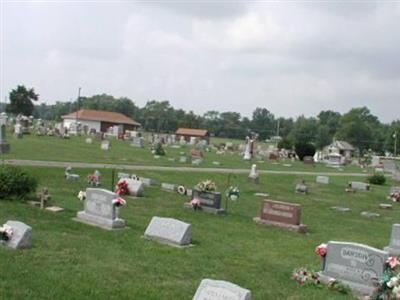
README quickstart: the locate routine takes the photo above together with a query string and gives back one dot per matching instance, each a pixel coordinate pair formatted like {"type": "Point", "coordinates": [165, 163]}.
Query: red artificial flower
{"type": "Point", "coordinates": [321, 250]}
{"type": "Point", "coordinates": [393, 262]}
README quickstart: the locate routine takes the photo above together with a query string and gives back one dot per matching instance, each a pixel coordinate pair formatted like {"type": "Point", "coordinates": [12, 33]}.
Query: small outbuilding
{"type": "Point", "coordinates": [187, 133]}
{"type": "Point", "coordinates": [99, 120]}
{"type": "Point", "coordinates": [341, 147]}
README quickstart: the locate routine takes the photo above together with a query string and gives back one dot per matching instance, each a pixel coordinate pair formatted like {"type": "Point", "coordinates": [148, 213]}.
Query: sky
{"type": "Point", "coordinates": [291, 57]}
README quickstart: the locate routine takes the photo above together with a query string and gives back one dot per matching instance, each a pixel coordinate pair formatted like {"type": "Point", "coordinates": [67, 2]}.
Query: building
{"type": "Point", "coordinates": [341, 147]}
{"type": "Point", "coordinates": [187, 133]}
{"type": "Point", "coordinates": [99, 120]}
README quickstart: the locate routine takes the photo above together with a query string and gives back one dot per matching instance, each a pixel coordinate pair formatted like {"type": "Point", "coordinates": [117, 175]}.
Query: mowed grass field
{"type": "Point", "coordinates": [76, 149]}
{"type": "Point", "coordinates": [70, 260]}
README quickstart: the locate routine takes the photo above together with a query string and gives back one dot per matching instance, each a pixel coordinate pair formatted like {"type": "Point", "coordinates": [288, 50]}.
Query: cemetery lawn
{"type": "Point", "coordinates": [71, 260]}
{"type": "Point", "coordinates": [75, 149]}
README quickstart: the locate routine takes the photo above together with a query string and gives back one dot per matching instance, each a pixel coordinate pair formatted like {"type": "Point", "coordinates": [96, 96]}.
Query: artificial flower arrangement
{"type": "Point", "coordinates": [196, 203]}
{"type": "Point", "coordinates": [305, 277]}
{"type": "Point", "coordinates": [6, 233]}
{"type": "Point", "coordinates": [206, 186]}
{"type": "Point", "coordinates": [233, 193]}
{"type": "Point", "coordinates": [94, 179]}
{"type": "Point", "coordinates": [122, 188]}
{"type": "Point", "coordinates": [395, 197]}
{"type": "Point", "coordinates": [82, 195]}
{"type": "Point", "coordinates": [389, 284]}
{"type": "Point", "coordinates": [118, 202]}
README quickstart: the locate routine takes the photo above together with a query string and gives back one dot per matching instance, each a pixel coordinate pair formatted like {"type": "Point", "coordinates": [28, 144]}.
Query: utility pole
{"type": "Point", "coordinates": [78, 102]}
{"type": "Point", "coordinates": [395, 143]}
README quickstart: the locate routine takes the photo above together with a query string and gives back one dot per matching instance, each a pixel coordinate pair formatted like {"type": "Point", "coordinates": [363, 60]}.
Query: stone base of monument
{"type": "Point", "coordinates": [392, 251]}
{"type": "Point", "coordinates": [356, 288]}
{"type": "Point", "coordinates": [255, 180]}
{"type": "Point", "coordinates": [4, 148]}
{"type": "Point", "coordinates": [207, 209]}
{"type": "Point", "coordinates": [301, 228]}
{"type": "Point", "coordinates": [99, 222]}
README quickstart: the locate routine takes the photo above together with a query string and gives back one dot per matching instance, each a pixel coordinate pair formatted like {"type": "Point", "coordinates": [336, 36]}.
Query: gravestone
{"type": "Point", "coordinates": [89, 141]}
{"type": "Point", "coordinates": [135, 187]}
{"type": "Point", "coordinates": [4, 146]}
{"type": "Point", "coordinates": [394, 246]}
{"type": "Point", "coordinates": [21, 237]}
{"type": "Point", "coordinates": [281, 214]}
{"type": "Point", "coordinates": [197, 162]}
{"type": "Point", "coordinates": [123, 175]}
{"type": "Point", "coordinates": [322, 179]}
{"type": "Point", "coordinates": [105, 145]}
{"type": "Point", "coordinates": [137, 142]}
{"type": "Point", "coordinates": [356, 265]}
{"type": "Point", "coordinates": [148, 181]}
{"type": "Point", "coordinates": [356, 185]}
{"type": "Point", "coordinates": [168, 187]}
{"type": "Point", "coordinates": [301, 188]}
{"type": "Point", "coordinates": [220, 290]}
{"type": "Point", "coordinates": [99, 210]}
{"type": "Point", "coordinates": [308, 160]}
{"type": "Point", "coordinates": [254, 177]}
{"type": "Point", "coordinates": [369, 214]}
{"type": "Point", "coordinates": [210, 202]}
{"type": "Point", "coordinates": [265, 195]}
{"type": "Point", "coordinates": [169, 231]}
{"type": "Point", "coordinates": [183, 159]}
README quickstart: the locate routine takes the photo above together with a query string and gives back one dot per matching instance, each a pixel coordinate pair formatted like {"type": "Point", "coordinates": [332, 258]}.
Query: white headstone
{"type": "Point", "coordinates": [322, 179]}
{"type": "Point", "coordinates": [220, 290]}
{"type": "Point", "coordinates": [169, 231]}
{"type": "Point", "coordinates": [135, 187]}
{"type": "Point", "coordinates": [99, 209]}
{"type": "Point", "coordinates": [21, 237]}
{"type": "Point", "coordinates": [394, 245]}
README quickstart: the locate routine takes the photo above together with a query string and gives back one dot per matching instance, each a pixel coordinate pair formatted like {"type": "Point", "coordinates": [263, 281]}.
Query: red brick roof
{"type": "Point", "coordinates": [101, 115]}
{"type": "Point", "coordinates": [192, 132]}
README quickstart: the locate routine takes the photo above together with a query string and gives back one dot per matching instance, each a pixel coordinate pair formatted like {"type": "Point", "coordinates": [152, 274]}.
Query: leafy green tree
{"type": "Point", "coordinates": [21, 101]}
{"type": "Point", "coordinates": [263, 123]}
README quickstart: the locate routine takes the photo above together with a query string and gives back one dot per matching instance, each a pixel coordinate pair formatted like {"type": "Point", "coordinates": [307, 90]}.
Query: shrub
{"type": "Point", "coordinates": [159, 150]}
{"type": "Point", "coordinates": [304, 149]}
{"type": "Point", "coordinates": [15, 183]}
{"type": "Point", "coordinates": [285, 144]}
{"type": "Point", "coordinates": [377, 179]}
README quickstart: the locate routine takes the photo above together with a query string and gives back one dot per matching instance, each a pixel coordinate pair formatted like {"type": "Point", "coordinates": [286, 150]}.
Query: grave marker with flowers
{"type": "Point", "coordinates": [101, 209]}
{"type": "Point", "coordinates": [206, 198]}
{"type": "Point", "coordinates": [16, 235]}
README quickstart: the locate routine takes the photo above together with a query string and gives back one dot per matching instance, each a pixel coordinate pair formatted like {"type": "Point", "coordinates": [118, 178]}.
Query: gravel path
{"type": "Point", "coordinates": [40, 163]}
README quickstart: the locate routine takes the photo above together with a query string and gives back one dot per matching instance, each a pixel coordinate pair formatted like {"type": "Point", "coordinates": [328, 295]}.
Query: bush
{"type": "Point", "coordinates": [15, 183]}
{"type": "Point", "coordinates": [377, 179]}
{"type": "Point", "coordinates": [285, 144]}
{"type": "Point", "coordinates": [304, 149]}
{"type": "Point", "coordinates": [159, 150]}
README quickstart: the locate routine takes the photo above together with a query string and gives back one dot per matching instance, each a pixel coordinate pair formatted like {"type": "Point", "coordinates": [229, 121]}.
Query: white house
{"type": "Point", "coordinates": [99, 120]}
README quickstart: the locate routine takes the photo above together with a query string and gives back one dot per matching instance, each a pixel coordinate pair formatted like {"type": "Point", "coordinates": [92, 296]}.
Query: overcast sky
{"type": "Point", "coordinates": [292, 58]}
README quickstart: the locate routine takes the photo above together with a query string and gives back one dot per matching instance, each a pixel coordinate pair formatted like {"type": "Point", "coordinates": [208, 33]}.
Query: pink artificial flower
{"type": "Point", "coordinates": [393, 262]}
{"type": "Point", "coordinates": [321, 250]}
{"type": "Point", "coordinates": [195, 202]}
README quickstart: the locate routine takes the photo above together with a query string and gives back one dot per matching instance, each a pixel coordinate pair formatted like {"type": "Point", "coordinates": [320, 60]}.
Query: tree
{"type": "Point", "coordinates": [21, 101]}
{"type": "Point", "coordinates": [263, 122]}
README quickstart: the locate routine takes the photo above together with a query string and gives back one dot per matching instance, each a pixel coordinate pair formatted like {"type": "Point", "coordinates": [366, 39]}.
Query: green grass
{"type": "Point", "coordinates": [76, 150]}
{"type": "Point", "coordinates": [70, 260]}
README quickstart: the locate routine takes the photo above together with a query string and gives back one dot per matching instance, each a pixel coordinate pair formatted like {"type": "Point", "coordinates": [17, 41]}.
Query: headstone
{"type": "Point", "coordinates": [356, 265]}
{"type": "Point", "coordinates": [308, 160]}
{"type": "Point", "coordinates": [168, 187]}
{"type": "Point", "coordinates": [105, 145]}
{"type": "Point", "coordinates": [369, 214]}
{"type": "Point", "coordinates": [197, 154]}
{"type": "Point", "coordinates": [301, 188]}
{"type": "Point", "coordinates": [265, 195]}
{"type": "Point", "coordinates": [220, 290]}
{"type": "Point", "coordinates": [183, 159]}
{"type": "Point", "coordinates": [135, 187]}
{"type": "Point", "coordinates": [4, 146]}
{"type": "Point", "coordinates": [137, 142]}
{"type": "Point", "coordinates": [322, 179]}
{"type": "Point", "coordinates": [340, 208]}
{"type": "Point", "coordinates": [169, 231]}
{"type": "Point", "coordinates": [385, 206]}
{"type": "Point", "coordinates": [21, 237]}
{"type": "Point", "coordinates": [394, 245]}
{"type": "Point", "coordinates": [375, 161]}
{"type": "Point", "coordinates": [197, 162]}
{"type": "Point", "coordinates": [54, 209]}
{"type": "Point", "coordinates": [281, 214]}
{"type": "Point", "coordinates": [254, 176]}
{"type": "Point", "coordinates": [359, 185]}
{"type": "Point", "coordinates": [210, 202]}
{"type": "Point", "coordinates": [123, 175]}
{"type": "Point", "coordinates": [148, 181]}
{"type": "Point", "coordinates": [89, 141]}
{"type": "Point", "coordinates": [99, 210]}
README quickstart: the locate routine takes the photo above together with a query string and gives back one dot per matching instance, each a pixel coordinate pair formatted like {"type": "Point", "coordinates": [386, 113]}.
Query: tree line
{"type": "Point", "coordinates": [358, 126]}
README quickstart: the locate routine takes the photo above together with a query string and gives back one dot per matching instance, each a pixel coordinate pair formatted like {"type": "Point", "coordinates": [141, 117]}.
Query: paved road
{"type": "Point", "coordinates": [40, 163]}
